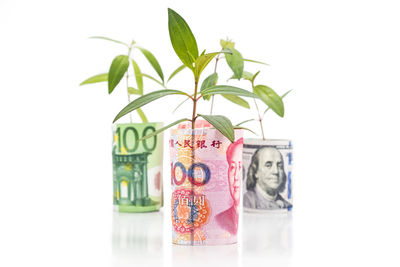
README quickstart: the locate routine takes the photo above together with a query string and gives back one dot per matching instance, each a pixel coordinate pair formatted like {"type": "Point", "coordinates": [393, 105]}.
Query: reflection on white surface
{"type": "Point", "coordinates": [137, 239]}
{"type": "Point", "coordinates": [267, 237]}
{"type": "Point", "coordinates": [194, 256]}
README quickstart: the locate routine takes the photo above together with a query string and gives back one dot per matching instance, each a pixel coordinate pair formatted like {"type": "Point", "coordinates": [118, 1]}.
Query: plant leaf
{"type": "Point", "coordinates": [138, 76]}
{"type": "Point", "coordinates": [176, 72]}
{"type": "Point", "coordinates": [180, 104]}
{"type": "Point", "coordinates": [227, 90]}
{"type": "Point", "coordinates": [254, 77]}
{"type": "Point", "coordinates": [244, 128]}
{"type": "Point", "coordinates": [209, 82]}
{"type": "Point", "coordinates": [254, 61]}
{"type": "Point", "coordinates": [142, 116]}
{"type": "Point", "coordinates": [237, 100]}
{"type": "Point", "coordinates": [244, 122]}
{"type": "Point", "coordinates": [153, 61]}
{"type": "Point", "coordinates": [245, 75]}
{"type": "Point", "coordinates": [145, 99]}
{"type": "Point", "coordinates": [96, 79]}
{"type": "Point", "coordinates": [203, 60]}
{"type": "Point", "coordinates": [162, 129]}
{"type": "Point", "coordinates": [133, 91]}
{"type": "Point", "coordinates": [235, 62]}
{"type": "Point", "coordinates": [222, 124]}
{"type": "Point", "coordinates": [117, 70]}
{"type": "Point", "coordinates": [108, 39]}
{"type": "Point", "coordinates": [182, 39]}
{"type": "Point", "coordinates": [269, 97]}
{"type": "Point", "coordinates": [153, 79]}
{"type": "Point", "coordinates": [282, 96]}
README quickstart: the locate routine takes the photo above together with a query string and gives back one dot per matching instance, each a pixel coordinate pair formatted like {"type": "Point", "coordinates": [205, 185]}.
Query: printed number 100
{"type": "Point", "coordinates": [148, 130]}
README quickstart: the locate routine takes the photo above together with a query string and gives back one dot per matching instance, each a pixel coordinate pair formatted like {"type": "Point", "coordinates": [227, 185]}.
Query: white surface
{"type": "Point", "coordinates": [340, 57]}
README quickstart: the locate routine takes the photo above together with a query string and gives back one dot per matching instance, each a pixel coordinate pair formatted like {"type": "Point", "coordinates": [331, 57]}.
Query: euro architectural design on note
{"type": "Point", "coordinates": [137, 167]}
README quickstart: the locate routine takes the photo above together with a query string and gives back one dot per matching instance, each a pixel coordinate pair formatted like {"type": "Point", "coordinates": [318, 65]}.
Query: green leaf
{"type": "Point", "coordinates": [117, 70]}
{"type": "Point", "coordinates": [108, 39]}
{"type": "Point", "coordinates": [202, 62]}
{"type": "Point", "coordinates": [162, 129]}
{"type": "Point", "coordinates": [142, 116]}
{"type": "Point", "coordinates": [154, 79]}
{"type": "Point", "coordinates": [182, 39]}
{"type": "Point", "coordinates": [145, 99]}
{"type": "Point", "coordinates": [138, 76]}
{"type": "Point", "coordinates": [245, 75]}
{"type": "Point", "coordinates": [254, 77]}
{"type": "Point", "coordinates": [254, 61]}
{"type": "Point", "coordinates": [282, 96]}
{"type": "Point", "coordinates": [269, 97]}
{"type": "Point", "coordinates": [244, 122]}
{"type": "Point", "coordinates": [181, 104]}
{"type": "Point", "coordinates": [226, 43]}
{"type": "Point", "coordinates": [153, 61]}
{"type": "Point", "coordinates": [235, 62]}
{"type": "Point", "coordinates": [209, 82]}
{"type": "Point", "coordinates": [227, 90]}
{"type": "Point", "coordinates": [96, 79]}
{"type": "Point", "coordinates": [237, 100]}
{"type": "Point", "coordinates": [243, 128]}
{"type": "Point", "coordinates": [176, 72]}
{"type": "Point", "coordinates": [133, 91]}
{"type": "Point", "coordinates": [222, 124]}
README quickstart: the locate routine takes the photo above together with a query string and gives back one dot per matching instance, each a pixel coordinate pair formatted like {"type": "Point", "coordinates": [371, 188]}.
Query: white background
{"type": "Point", "coordinates": [340, 57]}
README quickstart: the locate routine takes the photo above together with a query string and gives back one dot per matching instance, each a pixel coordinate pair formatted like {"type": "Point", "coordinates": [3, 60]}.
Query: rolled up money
{"type": "Point", "coordinates": [267, 168]}
{"type": "Point", "coordinates": [137, 167]}
{"type": "Point", "coordinates": [205, 177]}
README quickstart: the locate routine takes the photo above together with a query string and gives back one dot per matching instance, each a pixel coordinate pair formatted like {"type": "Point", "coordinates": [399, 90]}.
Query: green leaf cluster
{"type": "Point", "coordinates": [265, 93]}
{"type": "Point", "coordinates": [119, 69]}
{"type": "Point", "coordinates": [185, 46]}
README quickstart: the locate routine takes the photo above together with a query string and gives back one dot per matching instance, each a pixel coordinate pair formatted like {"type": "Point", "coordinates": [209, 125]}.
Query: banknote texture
{"type": "Point", "coordinates": [205, 178]}
{"type": "Point", "coordinates": [268, 178]}
{"type": "Point", "coordinates": [137, 167]}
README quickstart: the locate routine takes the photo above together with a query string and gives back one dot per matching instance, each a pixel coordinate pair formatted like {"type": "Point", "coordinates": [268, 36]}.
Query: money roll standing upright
{"type": "Point", "coordinates": [137, 167]}
{"type": "Point", "coordinates": [205, 177]}
{"type": "Point", "coordinates": [267, 170]}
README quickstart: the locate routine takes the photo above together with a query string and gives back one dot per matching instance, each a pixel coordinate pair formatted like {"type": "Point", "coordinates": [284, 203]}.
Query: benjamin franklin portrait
{"type": "Point", "coordinates": [266, 179]}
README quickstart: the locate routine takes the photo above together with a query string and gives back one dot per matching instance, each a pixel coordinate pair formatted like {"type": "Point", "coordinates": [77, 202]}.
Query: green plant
{"type": "Point", "coordinates": [236, 62]}
{"type": "Point", "coordinates": [185, 46]}
{"type": "Point", "coordinates": [120, 67]}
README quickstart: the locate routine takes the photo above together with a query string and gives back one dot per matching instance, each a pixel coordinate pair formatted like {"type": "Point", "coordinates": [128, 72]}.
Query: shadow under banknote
{"type": "Point", "coordinates": [137, 239]}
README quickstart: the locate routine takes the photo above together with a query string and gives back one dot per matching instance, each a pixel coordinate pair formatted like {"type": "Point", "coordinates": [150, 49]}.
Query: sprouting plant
{"type": "Point", "coordinates": [185, 46]}
{"type": "Point", "coordinates": [236, 62]}
{"type": "Point", "coordinates": [120, 68]}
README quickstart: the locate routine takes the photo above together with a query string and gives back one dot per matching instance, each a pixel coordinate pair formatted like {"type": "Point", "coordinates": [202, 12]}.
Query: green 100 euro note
{"type": "Point", "coordinates": [137, 167]}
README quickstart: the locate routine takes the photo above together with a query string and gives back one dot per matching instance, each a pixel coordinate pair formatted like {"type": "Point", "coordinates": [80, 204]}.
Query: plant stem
{"type": "Point", "coordinates": [194, 104]}
{"type": "Point", "coordinates": [258, 112]}
{"type": "Point", "coordinates": [215, 71]}
{"type": "Point", "coordinates": [259, 119]}
{"type": "Point", "coordinates": [127, 84]}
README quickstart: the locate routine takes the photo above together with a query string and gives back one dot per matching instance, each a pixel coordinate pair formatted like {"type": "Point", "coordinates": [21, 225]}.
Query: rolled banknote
{"type": "Point", "coordinates": [267, 168]}
{"type": "Point", "coordinates": [137, 167]}
{"type": "Point", "coordinates": [205, 177]}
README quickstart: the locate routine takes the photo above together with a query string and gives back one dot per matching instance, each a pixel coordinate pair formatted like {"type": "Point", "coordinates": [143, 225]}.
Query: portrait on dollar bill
{"type": "Point", "coordinates": [228, 219]}
{"type": "Point", "coordinates": [266, 180]}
